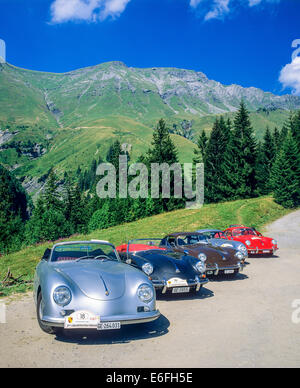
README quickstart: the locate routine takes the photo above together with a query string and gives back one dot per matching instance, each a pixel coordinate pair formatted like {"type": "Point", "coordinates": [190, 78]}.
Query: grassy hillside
{"type": "Point", "coordinates": [253, 212]}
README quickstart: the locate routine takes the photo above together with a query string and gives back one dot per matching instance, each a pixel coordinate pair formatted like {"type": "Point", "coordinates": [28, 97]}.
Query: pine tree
{"type": "Point", "coordinates": [74, 207]}
{"type": "Point", "coordinates": [162, 151]}
{"type": "Point", "coordinates": [295, 128]}
{"type": "Point", "coordinates": [214, 161]}
{"type": "Point", "coordinates": [241, 157]}
{"type": "Point", "coordinates": [285, 177]}
{"type": "Point", "coordinates": [199, 152]}
{"type": "Point", "coordinates": [265, 158]}
{"type": "Point", "coordinates": [14, 206]}
{"type": "Point", "coordinates": [276, 139]}
{"type": "Point", "coordinates": [51, 196]}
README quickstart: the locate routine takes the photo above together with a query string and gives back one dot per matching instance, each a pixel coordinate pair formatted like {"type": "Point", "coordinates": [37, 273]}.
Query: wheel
{"type": "Point", "coordinates": [45, 328]}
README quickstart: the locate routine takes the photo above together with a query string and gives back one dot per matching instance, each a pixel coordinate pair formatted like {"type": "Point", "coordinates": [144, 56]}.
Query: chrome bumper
{"type": "Point", "coordinates": [162, 284]}
{"type": "Point", "coordinates": [124, 319]}
{"type": "Point", "coordinates": [216, 269]}
{"type": "Point", "coordinates": [259, 251]}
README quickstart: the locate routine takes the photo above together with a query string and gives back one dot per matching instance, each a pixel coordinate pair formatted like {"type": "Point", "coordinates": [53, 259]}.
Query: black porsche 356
{"type": "Point", "coordinates": [169, 271]}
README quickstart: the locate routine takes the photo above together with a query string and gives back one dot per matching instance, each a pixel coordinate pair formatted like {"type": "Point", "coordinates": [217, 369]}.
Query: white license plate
{"type": "Point", "coordinates": [266, 251]}
{"type": "Point", "coordinates": [81, 319]}
{"type": "Point", "coordinates": [109, 326]}
{"type": "Point", "coordinates": [178, 290]}
{"type": "Point", "coordinates": [229, 271]}
{"type": "Point", "coordinates": [176, 282]}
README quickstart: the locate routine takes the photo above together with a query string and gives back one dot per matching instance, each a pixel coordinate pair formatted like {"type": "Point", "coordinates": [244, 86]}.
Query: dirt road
{"type": "Point", "coordinates": [245, 322]}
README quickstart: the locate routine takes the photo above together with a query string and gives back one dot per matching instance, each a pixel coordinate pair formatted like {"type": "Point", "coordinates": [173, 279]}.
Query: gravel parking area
{"type": "Point", "coordinates": [242, 322]}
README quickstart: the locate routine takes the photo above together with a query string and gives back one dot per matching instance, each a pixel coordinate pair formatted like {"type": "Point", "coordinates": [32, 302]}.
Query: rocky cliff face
{"type": "Point", "coordinates": [114, 89]}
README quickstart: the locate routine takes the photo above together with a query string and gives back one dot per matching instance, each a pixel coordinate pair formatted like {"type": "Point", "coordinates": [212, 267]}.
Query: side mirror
{"type": "Point", "coordinates": [186, 252]}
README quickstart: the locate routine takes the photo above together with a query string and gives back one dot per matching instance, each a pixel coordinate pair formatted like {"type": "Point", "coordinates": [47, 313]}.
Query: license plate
{"type": "Point", "coordinates": [178, 290]}
{"type": "Point", "coordinates": [176, 282]}
{"type": "Point", "coordinates": [81, 319]}
{"type": "Point", "coordinates": [109, 326]}
{"type": "Point", "coordinates": [229, 271]}
{"type": "Point", "coordinates": [266, 251]}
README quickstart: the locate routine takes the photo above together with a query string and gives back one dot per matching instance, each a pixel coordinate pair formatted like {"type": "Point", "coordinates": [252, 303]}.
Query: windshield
{"type": "Point", "coordinates": [191, 239]}
{"type": "Point", "coordinates": [213, 234]}
{"type": "Point", "coordinates": [243, 232]}
{"type": "Point", "coordinates": [89, 250]}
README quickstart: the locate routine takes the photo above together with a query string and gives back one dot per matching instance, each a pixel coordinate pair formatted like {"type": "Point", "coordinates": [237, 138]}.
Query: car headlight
{"type": "Point", "coordinates": [62, 296]}
{"type": "Point", "coordinates": [239, 255]}
{"type": "Point", "coordinates": [200, 266]}
{"type": "Point", "coordinates": [147, 268]}
{"type": "Point", "coordinates": [248, 242]}
{"type": "Point", "coordinates": [274, 242]}
{"type": "Point", "coordinates": [145, 293]}
{"type": "Point", "coordinates": [202, 257]}
{"type": "Point", "coordinates": [242, 248]}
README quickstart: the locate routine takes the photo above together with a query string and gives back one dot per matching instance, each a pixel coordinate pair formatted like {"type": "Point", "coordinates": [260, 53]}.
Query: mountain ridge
{"type": "Point", "coordinates": [71, 117]}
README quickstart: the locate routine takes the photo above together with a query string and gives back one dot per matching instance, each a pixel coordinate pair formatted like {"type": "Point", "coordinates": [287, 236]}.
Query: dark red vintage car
{"type": "Point", "coordinates": [255, 242]}
{"type": "Point", "coordinates": [219, 260]}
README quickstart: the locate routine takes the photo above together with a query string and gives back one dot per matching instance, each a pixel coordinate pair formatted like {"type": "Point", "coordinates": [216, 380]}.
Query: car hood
{"type": "Point", "coordinates": [215, 254]}
{"type": "Point", "coordinates": [101, 280]}
{"type": "Point", "coordinates": [210, 250]}
{"type": "Point", "coordinates": [225, 243]}
{"type": "Point", "coordinates": [170, 262]}
{"type": "Point", "coordinates": [265, 240]}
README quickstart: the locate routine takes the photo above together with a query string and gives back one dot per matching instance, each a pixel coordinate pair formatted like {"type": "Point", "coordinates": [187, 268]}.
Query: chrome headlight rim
{"type": "Point", "coordinates": [147, 268]}
{"type": "Point", "coordinates": [274, 242]}
{"type": "Point", "coordinates": [242, 248]}
{"type": "Point", "coordinates": [145, 293]}
{"type": "Point", "coordinates": [202, 257]}
{"type": "Point", "coordinates": [248, 242]}
{"type": "Point", "coordinates": [62, 296]}
{"type": "Point", "coordinates": [200, 266]}
{"type": "Point", "coordinates": [239, 255]}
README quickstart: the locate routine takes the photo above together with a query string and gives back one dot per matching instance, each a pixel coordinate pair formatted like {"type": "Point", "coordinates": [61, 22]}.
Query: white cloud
{"type": "Point", "coordinates": [218, 9]}
{"type": "Point", "coordinates": [86, 10]}
{"type": "Point", "coordinates": [93, 10]}
{"type": "Point", "coordinates": [290, 76]}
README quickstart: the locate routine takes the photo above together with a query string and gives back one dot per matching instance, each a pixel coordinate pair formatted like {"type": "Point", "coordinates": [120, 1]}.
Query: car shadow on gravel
{"type": "Point", "coordinates": [263, 257]}
{"type": "Point", "coordinates": [228, 278]}
{"type": "Point", "coordinates": [125, 335]}
{"type": "Point", "coordinates": [203, 294]}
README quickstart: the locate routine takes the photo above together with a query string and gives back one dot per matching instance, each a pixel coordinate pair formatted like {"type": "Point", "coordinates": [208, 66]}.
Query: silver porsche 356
{"type": "Point", "coordinates": [84, 284]}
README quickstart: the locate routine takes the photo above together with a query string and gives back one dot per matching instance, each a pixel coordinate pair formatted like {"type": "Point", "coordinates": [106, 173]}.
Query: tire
{"type": "Point", "coordinates": [45, 328]}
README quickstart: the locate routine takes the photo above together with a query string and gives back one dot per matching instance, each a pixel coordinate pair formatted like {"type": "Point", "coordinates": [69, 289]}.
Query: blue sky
{"type": "Point", "coordinates": [246, 42]}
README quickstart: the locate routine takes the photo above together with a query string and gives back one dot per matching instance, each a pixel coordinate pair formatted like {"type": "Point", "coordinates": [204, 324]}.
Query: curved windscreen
{"type": "Point", "coordinates": [89, 250]}
{"type": "Point", "coordinates": [191, 239]}
{"type": "Point", "coordinates": [243, 232]}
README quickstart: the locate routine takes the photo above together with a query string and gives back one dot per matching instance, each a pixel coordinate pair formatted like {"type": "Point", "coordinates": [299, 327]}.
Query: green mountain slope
{"type": "Point", "coordinates": [74, 116]}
